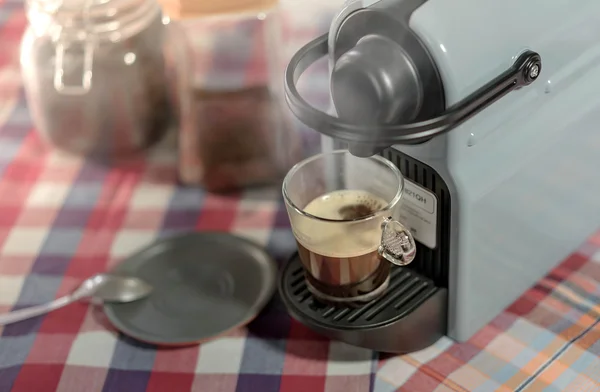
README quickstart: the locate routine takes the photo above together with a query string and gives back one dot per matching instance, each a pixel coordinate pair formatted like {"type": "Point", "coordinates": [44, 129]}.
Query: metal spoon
{"type": "Point", "coordinates": [103, 287]}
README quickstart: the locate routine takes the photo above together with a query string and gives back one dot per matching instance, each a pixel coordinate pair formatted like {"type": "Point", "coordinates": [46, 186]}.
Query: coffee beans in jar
{"type": "Point", "coordinates": [239, 142]}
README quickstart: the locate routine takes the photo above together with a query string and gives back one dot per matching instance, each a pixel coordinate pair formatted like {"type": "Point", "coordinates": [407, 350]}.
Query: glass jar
{"type": "Point", "coordinates": [244, 136]}
{"type": "Point", "coordinates": [104, 78]}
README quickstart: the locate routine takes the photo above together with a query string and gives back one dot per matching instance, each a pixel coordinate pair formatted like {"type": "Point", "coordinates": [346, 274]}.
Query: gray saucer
{"type": "Point", "coordinates": [205, 284]}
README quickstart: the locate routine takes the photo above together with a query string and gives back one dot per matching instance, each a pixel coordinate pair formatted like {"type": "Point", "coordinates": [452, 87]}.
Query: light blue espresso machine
{"type": "Point", "coordinates": [491, 109]}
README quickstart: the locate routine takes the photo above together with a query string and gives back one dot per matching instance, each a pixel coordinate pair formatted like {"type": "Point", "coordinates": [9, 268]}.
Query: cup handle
{"type": "Point", "coordinates": [397, 243]}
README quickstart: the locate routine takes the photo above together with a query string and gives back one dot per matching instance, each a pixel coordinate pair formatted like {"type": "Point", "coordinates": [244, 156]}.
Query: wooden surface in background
{"type": "Point", "coordinates": [187, 9]}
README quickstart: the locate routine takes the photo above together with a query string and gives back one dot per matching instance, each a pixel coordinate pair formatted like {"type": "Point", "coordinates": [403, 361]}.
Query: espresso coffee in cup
{"type": "Point", "coordinates": [341, 258]}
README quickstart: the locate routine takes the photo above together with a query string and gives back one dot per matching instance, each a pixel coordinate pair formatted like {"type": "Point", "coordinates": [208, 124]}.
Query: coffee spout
{"type": "Point", "coordinates": [363, 150]}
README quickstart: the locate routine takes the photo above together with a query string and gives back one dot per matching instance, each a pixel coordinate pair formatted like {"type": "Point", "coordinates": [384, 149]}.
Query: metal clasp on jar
{"type": "Point", "coordinates": [81, 47]}
{"type": "Point", "coordinates": [397, 243]}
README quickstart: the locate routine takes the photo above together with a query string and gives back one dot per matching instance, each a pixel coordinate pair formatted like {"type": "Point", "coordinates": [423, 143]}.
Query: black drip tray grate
{"type": "Point", "coordinates": [406, 292]}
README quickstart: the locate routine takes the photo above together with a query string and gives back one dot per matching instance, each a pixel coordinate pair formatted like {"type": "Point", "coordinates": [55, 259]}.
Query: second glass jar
{"type": "Point", "coordinates": [244, 135]}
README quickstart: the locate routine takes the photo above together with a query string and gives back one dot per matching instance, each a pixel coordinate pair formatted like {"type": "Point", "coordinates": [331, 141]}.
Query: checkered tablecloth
{"type": "Point", "coordinates": [63, 219]}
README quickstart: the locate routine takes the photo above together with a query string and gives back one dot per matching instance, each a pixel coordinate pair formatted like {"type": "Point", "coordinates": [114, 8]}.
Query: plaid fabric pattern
{"type": "Point", "coordinates": [63, 219]}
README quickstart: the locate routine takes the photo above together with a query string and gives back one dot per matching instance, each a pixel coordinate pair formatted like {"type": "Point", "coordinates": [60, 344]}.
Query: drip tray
{"type": "Point", "coordinates": [410, 316]}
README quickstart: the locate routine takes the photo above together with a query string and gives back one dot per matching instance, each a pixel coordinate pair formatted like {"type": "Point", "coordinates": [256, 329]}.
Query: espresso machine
{"type": "Point", "coordinates": [491, 109]}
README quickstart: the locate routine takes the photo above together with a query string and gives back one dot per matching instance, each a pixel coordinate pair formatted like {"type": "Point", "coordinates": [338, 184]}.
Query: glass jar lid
{"type": "Point", "coordinates": [103, 19]}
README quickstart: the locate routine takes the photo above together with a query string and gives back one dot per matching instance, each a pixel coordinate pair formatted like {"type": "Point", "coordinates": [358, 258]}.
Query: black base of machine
{"type": "Point", "coordinates": [409, 316]}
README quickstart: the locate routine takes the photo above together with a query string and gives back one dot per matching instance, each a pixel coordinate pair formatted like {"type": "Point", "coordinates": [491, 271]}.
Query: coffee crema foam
{"type": "Point", "coordinates": [341, 239]}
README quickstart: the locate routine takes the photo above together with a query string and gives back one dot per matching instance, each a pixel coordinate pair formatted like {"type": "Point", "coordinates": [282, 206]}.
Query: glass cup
{"type": "Point", "coordinates": [340, 209]}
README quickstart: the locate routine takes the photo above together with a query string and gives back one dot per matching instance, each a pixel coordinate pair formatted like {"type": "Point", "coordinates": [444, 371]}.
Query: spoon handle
{"type": "Point", "coordinates": [33, 311]}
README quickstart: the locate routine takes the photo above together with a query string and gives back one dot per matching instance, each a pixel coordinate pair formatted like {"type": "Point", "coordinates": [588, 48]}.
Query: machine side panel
{"type": "Point", "coordinates": [521, 223]}
{"type": "Point", "coordinates": [525, 170]}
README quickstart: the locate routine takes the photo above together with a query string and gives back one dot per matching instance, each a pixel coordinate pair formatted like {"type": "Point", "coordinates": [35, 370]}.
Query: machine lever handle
{"type": "Point", "coordinates": [525, 70]}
